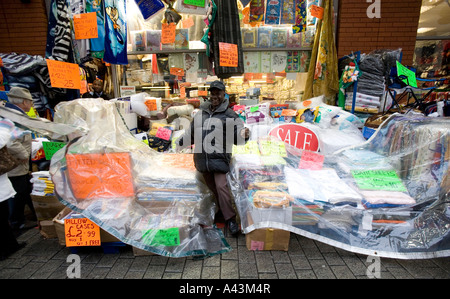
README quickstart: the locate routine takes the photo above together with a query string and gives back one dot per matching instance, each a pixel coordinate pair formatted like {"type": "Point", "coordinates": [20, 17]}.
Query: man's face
{"type": "Point", "coordinates": [97, 86]}
{"type": "Point", "coordinates": [216, 97]}
{"type": "Point", "coordinates": [26, 105]}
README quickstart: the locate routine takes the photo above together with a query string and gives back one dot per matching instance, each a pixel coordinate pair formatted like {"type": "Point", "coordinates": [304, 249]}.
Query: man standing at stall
{"type": "Point", "coordinates": [20, 99]}
{"type": "Point", "coordinates": [213, 131]}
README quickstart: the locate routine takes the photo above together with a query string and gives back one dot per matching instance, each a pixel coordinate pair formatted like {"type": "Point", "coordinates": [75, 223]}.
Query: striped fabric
{"type": "Point", "coordinates": [226, 29]}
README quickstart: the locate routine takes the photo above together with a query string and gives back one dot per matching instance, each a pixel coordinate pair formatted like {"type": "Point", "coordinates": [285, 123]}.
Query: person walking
{"type": "Point", "coordinates": [213, 131]}
{"type": "Point", "coordinates": [21, 100]}
{"type": "Point", "coordinates": [8, 244]}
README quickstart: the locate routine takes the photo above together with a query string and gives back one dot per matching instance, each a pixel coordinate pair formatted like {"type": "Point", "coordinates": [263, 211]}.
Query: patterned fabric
{"type": "Point", "coordinates": [115, 32]}
{"type": "Point", "coordinates": [226, 29]}
{"type": "Point", "coordinates": [323, 74]}
{"type": "Point", "coordinates": [59, 38]}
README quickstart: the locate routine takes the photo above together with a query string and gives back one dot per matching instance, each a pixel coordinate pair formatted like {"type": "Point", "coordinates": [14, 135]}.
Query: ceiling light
{"type": "Point", "coordinates": [425, 29]}
{"type": "Point", "coordinates": [425, 8]}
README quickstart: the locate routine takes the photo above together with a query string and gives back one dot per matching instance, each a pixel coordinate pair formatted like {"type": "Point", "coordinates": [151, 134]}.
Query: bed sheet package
{"type": "Point", "coordinates": [387, 196]}
{"type": "Point", "coordinates": [152, 201]}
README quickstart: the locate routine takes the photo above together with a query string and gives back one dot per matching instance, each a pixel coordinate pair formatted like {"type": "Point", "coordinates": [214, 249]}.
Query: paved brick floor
{"type": "Point", "coordinates": [305, 259]}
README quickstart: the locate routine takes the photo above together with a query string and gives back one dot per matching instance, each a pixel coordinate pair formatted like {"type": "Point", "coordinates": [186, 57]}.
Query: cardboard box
{"type": "Point", "coordinates": [266, 238]}
{"type": "Point", "coordinates": [46, 207]}
{"type": "Point", "coordinates": [105, 237]}
{"type": "Point", "coordinates": [47, 229]}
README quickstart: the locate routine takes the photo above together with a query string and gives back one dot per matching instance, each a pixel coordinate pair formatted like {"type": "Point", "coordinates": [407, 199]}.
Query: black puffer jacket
{"type": "Point", "coordinates": [213, 133]}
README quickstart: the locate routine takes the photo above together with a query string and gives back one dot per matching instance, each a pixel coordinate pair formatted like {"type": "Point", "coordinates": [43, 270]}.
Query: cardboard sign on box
{"type": "Point", "coordinates": [105, 237]}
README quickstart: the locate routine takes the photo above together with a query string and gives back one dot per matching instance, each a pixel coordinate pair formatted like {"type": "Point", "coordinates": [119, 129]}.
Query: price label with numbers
{"type": "Point", "coordinates": [228, 55]}
{"type": "Point", "coordinates": [81, 232]}
{"type": "Point", "coordinates": [85, 25]}
{"type": "Point", "coordinates": [64, 74]}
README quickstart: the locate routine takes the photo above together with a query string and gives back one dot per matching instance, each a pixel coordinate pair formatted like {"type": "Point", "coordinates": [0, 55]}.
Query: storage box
{"type": "Point", "coordinates": [267, 238]}
{"type": "Point", "coordinates": [280, 215]}
{"type": "Point", "coordinates": [105, 237]}
{"type": "Point", "coordinates": [47, 229]}
{"type": "Point", "coordinates": [46, 207]}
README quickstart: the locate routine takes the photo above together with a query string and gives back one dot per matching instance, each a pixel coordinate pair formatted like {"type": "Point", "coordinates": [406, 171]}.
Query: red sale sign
{"type": "Point", "coordinates": [296, 135]}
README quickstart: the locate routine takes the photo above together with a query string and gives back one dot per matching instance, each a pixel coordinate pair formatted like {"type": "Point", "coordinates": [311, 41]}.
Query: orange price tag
{"type": "Point", "coordinates": [81, 232]}
{"type": "Point", "coordinates": [151, 105]}
{"type": "Point", "coordinates": [64, 74]}
{"type": "Point", "coordinates": [202, 93]}
{"type": "Point", "coordinates": [257, 76]}
{"type": "Point", "coordinates": [270, 78]}
{"type": "Point", "coordinates": [168, 33]}
{"type": "Point", "coordinates": [317, 11]}
{"type": "Point", "coordinates": [188, 23]}
{"type": "Point", "coordinates": [100, 175]}
{"type": "Point", "coordinates": [228, 55]}
{"type": "Point", "coordinates": [177, 71]}
{"type": "Point", "coordinates": [85, 25]}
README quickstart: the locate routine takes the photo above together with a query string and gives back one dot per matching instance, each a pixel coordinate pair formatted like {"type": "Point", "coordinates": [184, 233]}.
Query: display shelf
{"type": "Point", "coordinates": [276, 49]}
{"type": "Point", "coordinates": [169, 51]}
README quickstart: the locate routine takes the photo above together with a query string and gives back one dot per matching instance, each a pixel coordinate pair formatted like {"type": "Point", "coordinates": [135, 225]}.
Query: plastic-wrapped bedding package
{"type": "Point", "coordinates": [387, 196]}
{"type": "Point", "coordinates": [152, 201]}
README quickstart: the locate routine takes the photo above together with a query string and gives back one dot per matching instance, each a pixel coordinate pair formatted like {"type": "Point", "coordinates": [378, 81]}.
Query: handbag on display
{"type": "Point", "coordinates": [7, 162]}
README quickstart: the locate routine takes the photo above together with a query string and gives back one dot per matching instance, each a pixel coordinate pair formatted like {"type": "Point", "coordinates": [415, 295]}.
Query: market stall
{"type": "Point", "coordinates": [308, 167]}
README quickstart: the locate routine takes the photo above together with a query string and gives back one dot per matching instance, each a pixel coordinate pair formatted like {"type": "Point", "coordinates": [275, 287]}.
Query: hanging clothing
{"type": "Point", "coordinates": [323, 73]}
{"type": "Point", "coordinates": [115, 32]}
{"type": "Point", "coordinates": [226, 29]}
{"type": "Point", "coordinates": [97, 44]}
{"type": "Point", "coordinates": [80, 46]}
{"type": "Point", "coordinates": [59, 38]}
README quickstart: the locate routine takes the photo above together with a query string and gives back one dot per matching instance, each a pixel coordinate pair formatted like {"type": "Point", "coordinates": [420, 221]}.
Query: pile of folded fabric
{"type": "Point", "coordinates": [306, 213]}
{"type": "Point", "coordinates": [42, 184]}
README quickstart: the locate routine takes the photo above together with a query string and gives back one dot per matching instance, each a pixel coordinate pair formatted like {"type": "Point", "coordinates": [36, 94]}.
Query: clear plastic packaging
{"type": "Point", "coordinates": [152, 201]}
{"type": "Point", "coordinates": [388, 196]}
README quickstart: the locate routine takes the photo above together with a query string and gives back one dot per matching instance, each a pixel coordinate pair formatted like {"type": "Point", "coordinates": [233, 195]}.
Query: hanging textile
{"type": "Point", "coordinates": [59, 37]}
{"type": "Point", "coordinates": [80, 46]}
{"type": "Point", "coordinates": [323, 74]}
{"type": "Point", "coordinates": [97, 44]}
{"type": "Point", "coordinates": [115, 32]}
{"type": "Point", "coordinates": [226, 29]}
{"type": "Point", "coordinates": [300, 16]}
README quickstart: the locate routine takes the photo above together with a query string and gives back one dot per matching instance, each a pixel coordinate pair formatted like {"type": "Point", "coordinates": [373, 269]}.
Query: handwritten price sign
{"type": "Point", "coordinates": [378, 180]}
{"type": "Point", "coordinates": [85, 25]}
{"type": "Point", "coordinates": [228, 54]}
{"type": "Point", "coordinates": [64, 74]}
{"type": "Point", "coordinates": [163, 133]}
{"type": "Point", "coordinates": [100, 175]}
{"type": "Point", "coordinates": [311, 160]}
{"type": "Point", "coordinates": [317, 11]}
{"type": "Point", "coordinates": [81, 232]}
{"type": "Point", "coordinates": [168, 33]}
{"type": "Point", "coordinates": [50, 148]}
